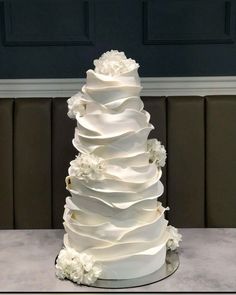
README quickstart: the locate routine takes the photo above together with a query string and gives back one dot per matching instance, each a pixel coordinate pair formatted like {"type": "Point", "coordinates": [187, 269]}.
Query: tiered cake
{"type": "Point", "coordinates": [115, 226]}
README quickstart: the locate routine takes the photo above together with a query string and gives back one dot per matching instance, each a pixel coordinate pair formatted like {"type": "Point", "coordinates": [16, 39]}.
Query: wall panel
{"type": "Point", "coordinates": [32, 163]}
{"type": "Point", "coordinates": [44, 23]}
{"type": "Point", "coordinates": [186, 167]}
{"type": "Point", "coordinates": [221, 161]}
{"type": "Point", "coordinates": [6, 164]}
{"type": "Point", "coordinates": [187, 22]}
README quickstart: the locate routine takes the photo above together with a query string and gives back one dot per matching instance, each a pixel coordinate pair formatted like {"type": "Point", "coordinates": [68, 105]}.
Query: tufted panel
{"type": "Point", "coordinates": [32, 163]}
{"type": "Point", "coordinates": [221, 161]}
{"type": "Point", "coordinates": [6, 164]}
{"type": "Point", "coordinates": [186, 171]}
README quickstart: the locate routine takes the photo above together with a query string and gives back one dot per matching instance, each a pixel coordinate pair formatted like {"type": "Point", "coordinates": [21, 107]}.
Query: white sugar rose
{"type": "Point", "coordinates": [87, 261]}
{"type": "Point", "coordinates": [60, 272]}
{"type": "Point", "coordinates": [76, 105]}
{"type": "Point", "coordinates": [91, 277]}
{"type": "Point", "coordinates": [175, 238]}
{"type": "Point", "coordinates": [87, 166]}
{"type": "Point", "coordinates": [114, 63]}
{"type": "Point", "coordinates": [157, 152]}
{"type": "Point", "coordinates": [76, 274]}
{"type": "Point", "coordinates": [77, 267]}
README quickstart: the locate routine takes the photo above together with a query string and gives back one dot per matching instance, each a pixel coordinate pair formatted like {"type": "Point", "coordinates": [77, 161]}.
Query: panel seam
{"type": "Point", "coordinates": [205, 162]}
{"type": "Point", "coordinates": [51, 172]}
{"type": "Point", "coordinates": [167, 160]}
{"type": "Point", "coordinates": [13, 163]}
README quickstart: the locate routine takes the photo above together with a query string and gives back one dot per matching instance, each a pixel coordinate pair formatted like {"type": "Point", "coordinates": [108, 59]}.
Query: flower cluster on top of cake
{"type": "Point", "coordinates": [114, 63]}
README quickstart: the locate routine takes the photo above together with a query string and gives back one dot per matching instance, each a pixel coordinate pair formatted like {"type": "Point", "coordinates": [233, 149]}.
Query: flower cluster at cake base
{"type": "Point", "coordinates": [76, 105]}
{"type": "Point", "coordinates": [114, 63]}
{"type": "Point", "coordinates": [175, 238]}
{"type": "Point", "coordinates": [157, 152]}
{"type": "Point", "coordinates": [77, 267]}
{"type": "Point", "coordinates": [87, 166]}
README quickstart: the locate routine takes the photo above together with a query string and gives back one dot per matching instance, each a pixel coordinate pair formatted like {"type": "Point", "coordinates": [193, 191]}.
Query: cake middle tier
{"type": "Point", "coordinates": [125, 198]}
{"type": "Point", "coordinates": [111, 135]}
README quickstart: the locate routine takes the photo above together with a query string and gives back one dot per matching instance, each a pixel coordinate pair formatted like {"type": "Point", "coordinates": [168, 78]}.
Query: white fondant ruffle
{"type": "Point", "coordinates": [131, 102]}
{"type": "Point", "coordinates": [96, 80]}
{"type": "Point", "coordinates": [104, 249]}
{"type": "Point", "coordinates": [108, 94]}
{"type": "Point", "coordinates": [141, 159]}
{"type": "Point", "coordinates": [111, 184]}
{"type": "Point", "coordinates": [125, 199]}
{"type": "Point", "coordinates": [89, 216]}
{"type": "Point", "coordinates": [111, 125]}
{"type": "Point", "coordinates": [114, 232]}
{"type": "Point", "coordinates": [128, 144]}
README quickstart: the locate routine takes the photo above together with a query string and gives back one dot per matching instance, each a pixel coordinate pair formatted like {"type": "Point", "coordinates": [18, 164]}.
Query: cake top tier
{"type": "Point", "coordinates": [114, 63]}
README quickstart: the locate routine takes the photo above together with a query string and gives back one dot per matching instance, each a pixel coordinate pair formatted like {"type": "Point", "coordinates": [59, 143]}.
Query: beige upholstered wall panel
{"type": "Point", "coordinates": [32, 163]}
{"type": "Point", "coordinates": [6, 164]}
{"type": "Point", "coordinates": [221, 161]}
{"type": "Point", "coordinates": [186, 163]}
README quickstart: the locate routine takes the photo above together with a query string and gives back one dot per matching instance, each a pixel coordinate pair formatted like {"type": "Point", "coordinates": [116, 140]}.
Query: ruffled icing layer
{"type": "Point", "coordinates": [114, 230]}
{"type": "Point", "coordinates": [125, 260]}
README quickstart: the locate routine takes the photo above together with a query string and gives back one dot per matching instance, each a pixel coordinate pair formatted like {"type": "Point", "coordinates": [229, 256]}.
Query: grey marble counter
{"type": "Point", "coordinates": [207, 262]}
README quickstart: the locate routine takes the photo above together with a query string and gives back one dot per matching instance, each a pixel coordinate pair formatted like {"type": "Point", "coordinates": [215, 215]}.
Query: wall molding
{"type": "Point", "coordinates": [11, 37]}
{"type": "Point", "coordinates": [152, 86]}
{"type": "Point", "coordinates": [224, 37]}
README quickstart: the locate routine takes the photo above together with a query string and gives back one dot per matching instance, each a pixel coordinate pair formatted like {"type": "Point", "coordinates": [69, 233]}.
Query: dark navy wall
{"type": "Point", "coordinates": [60, 38]}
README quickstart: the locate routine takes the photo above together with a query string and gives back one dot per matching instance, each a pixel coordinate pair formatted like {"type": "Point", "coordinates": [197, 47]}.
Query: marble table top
{"type": "Point", "coordinates": [207, 263]}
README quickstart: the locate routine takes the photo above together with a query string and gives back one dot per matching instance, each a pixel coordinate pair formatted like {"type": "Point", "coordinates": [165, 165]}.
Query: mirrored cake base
{"type": "Point", "coordinates": [168, 268]}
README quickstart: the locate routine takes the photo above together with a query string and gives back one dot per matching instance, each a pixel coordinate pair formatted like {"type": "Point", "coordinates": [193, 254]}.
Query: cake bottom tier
{"type": "Point", "coordinates": [133, 265]}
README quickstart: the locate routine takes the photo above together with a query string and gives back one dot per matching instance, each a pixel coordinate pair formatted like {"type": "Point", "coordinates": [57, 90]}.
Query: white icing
{"type": "Point", "coordinates": [100, 80]}
{"type": "Point", "coordinates": [119, 105]}
{"type": "Point", "coordinates": [113, 231]}
{"type": "Point", "coordinates": [110, 125]}
{"type": "Point", "coordinates": [113, 213]}
{"type": "Point", "coordinates": [127, 144]}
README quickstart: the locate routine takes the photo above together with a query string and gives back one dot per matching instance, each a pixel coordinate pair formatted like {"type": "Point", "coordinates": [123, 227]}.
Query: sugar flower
{"type": "Point", "coordinates": [157, 152]}
{"type": "Point", "coordinates": [114, 63]}
{"type": "Point", "coordinates": [175, 238]}
{"type": "Point", "coordinates": [87, 166]}
{"type": "Point", "coordinates": [77, 267]}
{"type": "Point", "coordinates": [76, 105]}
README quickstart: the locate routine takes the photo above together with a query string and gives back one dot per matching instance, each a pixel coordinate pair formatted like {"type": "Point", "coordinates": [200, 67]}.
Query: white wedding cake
{"type": "Point", "coordinates": [115, 224]}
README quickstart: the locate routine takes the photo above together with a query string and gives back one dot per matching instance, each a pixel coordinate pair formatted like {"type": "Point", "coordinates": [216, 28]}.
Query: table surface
{"type": "Point", "coordinates": [207, 262]}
